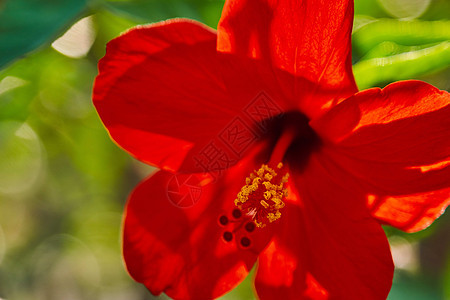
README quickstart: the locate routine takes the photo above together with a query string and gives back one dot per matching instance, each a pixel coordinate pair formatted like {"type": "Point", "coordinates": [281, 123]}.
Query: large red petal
{"type": "Point", "coordinates": [164, 93]}
{"type": "Point", "coordinates": [396, 143]}
{"type": "Point", "coordinates": [180, 249]}
{"type": "Point", "coordinates": [282, 267]}
{"type": "Point", "coordinates": [341, 252]}
{"type": "Point", "coordinates": [309, 38]}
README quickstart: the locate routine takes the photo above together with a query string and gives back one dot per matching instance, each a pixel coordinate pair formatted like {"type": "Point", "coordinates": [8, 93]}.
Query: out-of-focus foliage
{"type": "Point", "coordinates": [400, 39]}
{"type": "Point", "coordinates": [63, 183]}
{"type": "Point", "coordinates": [145, 11]}
{"type": "Point", "coordinates": [27, 24]}
{"type": "Point", "coordinates": [388, 62]}
{"type": "Point", "coordinates": [407, 33]}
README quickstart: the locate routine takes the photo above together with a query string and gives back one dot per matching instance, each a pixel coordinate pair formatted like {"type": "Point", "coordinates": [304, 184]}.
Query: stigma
{"type": "Point", "coordinates": [261, 198]}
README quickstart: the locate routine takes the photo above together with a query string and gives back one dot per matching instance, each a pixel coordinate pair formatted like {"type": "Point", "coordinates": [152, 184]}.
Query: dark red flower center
{"type": "Point", "coordinates": [291, 140]}
{"type": "Point", "coordinates": [261, 199]}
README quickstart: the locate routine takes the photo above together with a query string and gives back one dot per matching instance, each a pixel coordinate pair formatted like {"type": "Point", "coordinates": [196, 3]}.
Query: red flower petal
{"type": "Point", "coordinates": [182, 250]}
{"type": "Point", "coordinates": [164, 93]}
{"type": "Point", "coordinates": [411, 213]}
{"type": "Point", "coordinates": [282, 267]}
{"type": "Point", "coordinates": [341, 251]}
{"type": "Point", "coordinates": [396, 143]}
{"type": "Point", "coordinates": [306, 38]}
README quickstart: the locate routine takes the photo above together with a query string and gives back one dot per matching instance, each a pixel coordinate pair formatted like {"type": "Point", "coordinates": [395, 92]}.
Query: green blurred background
{"type": "Point", "coordinates": [63, 183]}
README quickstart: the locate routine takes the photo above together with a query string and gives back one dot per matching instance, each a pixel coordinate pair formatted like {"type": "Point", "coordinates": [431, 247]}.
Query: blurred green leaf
{"type": "Point", "coordinates": [408, 33]}
{"type": "Point", "coordinates": [362, 20]}
{"type": "Point", "coordinates": [27, 24]}
{"type": "Point", "coordinates": [244, 291]}
{"type": "Point", "coordinates": [18, 87]}
{"type": "Point", "coordinates": [438, 9]}
{"type": "Point", "coordinates": [424, 9]}
{"type": "Point", "coordinates": [370, 8]}
{"type": "Point", "coordinates": [446, 278]}
{"type": "Point", "coordinates": [386, 49]}
{"type": "Point", "coordinates": [145, 11]}
{"type": "Point", "coordinates": [112, 25]}
{"type": "Point", "coordinates": [94, 159]}
{"type": "Point", "coordinates": [48, 74]}
{"type": "Point", "coordinates": [16, 94]}
{"type": "Point", "coordinates": [150, 11]}
{"type": "Point", "coordinates": [407, 287]}
{"type": "Point", "coordinates": [401, 66]}
{"type": "Point", "coordinates": [439, 79]}
{"type": "Point", "coordinates": [22, 157]}
{"type": "Point", "coordinates": [405, 8]}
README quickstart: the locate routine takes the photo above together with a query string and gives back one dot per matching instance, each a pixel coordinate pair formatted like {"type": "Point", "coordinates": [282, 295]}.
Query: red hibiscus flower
{"type": "Point", "coordinates": [278, 158]}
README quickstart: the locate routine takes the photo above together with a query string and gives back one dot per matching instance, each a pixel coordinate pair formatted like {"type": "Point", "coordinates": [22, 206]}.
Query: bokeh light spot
{"type": "Point", "coordinates": [22, 156]}
{"type": "Point", "coordinates": [78, 40]}
{"type": "Point", "coordinates": [404, 253]}
{"type": "Point", "coordinates": [405, 9]}
{"type": "Point", "coordinates": [11, 82]}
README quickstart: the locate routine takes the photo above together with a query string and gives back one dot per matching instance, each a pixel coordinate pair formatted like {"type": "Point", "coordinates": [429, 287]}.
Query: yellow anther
{"type": "Point", "coordinates": [264, 203]}
{"type": "Point", "coordinates": [273, 216]}
{"type": "Point", "coordinates": [285, 178]}
{"type": "Point", "coordinates": [261, 198]}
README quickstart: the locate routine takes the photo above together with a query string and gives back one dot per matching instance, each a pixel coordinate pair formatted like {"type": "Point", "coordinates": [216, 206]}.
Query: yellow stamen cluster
{"type": "Point", "coordinates": [262, 197]}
